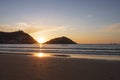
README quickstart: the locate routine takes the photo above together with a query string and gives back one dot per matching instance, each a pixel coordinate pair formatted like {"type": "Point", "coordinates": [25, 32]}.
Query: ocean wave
{"type": "Point", "coordinates": [70, 49]}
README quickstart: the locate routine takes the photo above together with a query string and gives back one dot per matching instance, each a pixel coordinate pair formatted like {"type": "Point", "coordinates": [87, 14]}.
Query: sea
{"type": "Point", "coordinates": [82, 51]}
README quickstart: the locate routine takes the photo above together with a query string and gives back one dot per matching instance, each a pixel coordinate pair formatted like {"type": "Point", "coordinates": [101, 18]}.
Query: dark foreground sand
{"type": "Point", "coordinates": [20, 67]}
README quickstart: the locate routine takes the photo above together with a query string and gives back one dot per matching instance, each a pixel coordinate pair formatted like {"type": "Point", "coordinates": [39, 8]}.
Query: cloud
{"type": "Point", "coordinates": [111, 28]}
{"type": "Point", "coordinates": [5, 27]}
{"type": "Point", "coordinates": [30, 28]}
{"type": "Point", "coordinates": [22, 24]}
{"type": "Point", "coordinates": [54, 29]}
{"type": "Point", "coordinates": [89, 16]}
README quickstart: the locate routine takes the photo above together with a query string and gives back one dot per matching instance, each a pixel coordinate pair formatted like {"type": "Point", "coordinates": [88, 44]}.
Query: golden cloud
{"type": "Point", "coordinates": [20, 26]}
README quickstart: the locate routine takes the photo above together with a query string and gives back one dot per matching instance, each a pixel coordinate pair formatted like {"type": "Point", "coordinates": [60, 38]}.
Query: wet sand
{"type": "Point", "coordinates": [28, 67]}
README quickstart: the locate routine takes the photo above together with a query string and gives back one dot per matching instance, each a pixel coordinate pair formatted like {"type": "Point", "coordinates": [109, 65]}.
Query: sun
{"type": "Point", "coordinates": [41, 40]}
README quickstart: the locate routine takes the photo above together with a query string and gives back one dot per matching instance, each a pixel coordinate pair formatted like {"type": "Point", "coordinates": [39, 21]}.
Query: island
{"type": "Point", "coordinates": [17, 37]}
{"type": "Point", "coordinates": [60, 40]}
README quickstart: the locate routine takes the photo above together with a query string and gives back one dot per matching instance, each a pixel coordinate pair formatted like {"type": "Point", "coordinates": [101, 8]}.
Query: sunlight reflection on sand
{"type": "Point", "coordinates": [80, 56]}
{"type": "Point", "coordinates": [41, 54]}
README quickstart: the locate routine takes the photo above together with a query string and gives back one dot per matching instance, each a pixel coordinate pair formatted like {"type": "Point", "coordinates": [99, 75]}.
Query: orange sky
{"type": "Point", "coordinates": [84, 21]}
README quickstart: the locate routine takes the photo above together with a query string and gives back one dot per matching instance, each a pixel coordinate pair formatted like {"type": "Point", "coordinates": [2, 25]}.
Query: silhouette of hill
{"type": "Point", "coordinates": [18, 37]}
{"type": "Point", "coordinates": [60, 40]}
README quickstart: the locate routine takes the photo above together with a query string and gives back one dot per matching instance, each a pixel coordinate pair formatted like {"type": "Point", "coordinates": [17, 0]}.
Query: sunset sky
{"type": "Point", "coordinates": [84, 21]}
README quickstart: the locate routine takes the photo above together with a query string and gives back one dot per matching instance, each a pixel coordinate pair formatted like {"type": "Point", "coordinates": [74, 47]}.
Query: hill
{"type": "Point", "coordinates": [60, 40]}
{"type": "Point", "coordinates": [18, 37]}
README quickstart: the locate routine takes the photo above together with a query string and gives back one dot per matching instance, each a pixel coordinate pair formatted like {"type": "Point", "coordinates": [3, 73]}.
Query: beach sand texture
{"type": "Point", "coordinates": [21, 67]}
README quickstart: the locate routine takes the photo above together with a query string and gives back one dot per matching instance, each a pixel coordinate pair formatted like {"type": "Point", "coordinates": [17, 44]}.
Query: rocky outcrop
{"type": "Point", "coordinates": [18, 37]}
{"type": "Point", "coordinates": [60, 40]}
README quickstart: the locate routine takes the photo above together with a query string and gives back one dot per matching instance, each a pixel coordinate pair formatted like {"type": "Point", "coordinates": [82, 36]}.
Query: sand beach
{"type": "Point", "coordinates": [29, 67]}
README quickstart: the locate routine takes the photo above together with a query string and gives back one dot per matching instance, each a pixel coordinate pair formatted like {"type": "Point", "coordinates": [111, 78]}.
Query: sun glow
{"type": "Point", "coordinates": [41, 40]}
{"type": "Point", "coordinates": [40, 55]}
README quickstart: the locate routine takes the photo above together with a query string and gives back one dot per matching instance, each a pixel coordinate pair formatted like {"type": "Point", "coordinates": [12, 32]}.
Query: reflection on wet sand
{"type": "Point", "coordinates": [79, 56]}
{"type": "Point", "coordinates": [61, 55]}
{"type": "Point", "coordinates": [41, 54]}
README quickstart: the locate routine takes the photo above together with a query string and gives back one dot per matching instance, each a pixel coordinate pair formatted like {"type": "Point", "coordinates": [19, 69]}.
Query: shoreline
{"type": "Point", "coordinates": [14, 67]}
{"type": "Point", "coordinates": [63, 55]}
